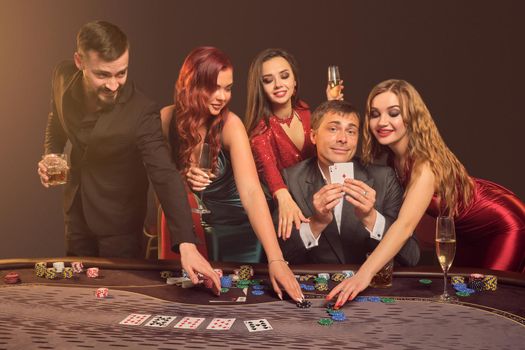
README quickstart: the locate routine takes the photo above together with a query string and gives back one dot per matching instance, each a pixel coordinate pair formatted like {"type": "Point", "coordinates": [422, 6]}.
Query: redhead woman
{"type": "Point", "coordinates": [232, 189]}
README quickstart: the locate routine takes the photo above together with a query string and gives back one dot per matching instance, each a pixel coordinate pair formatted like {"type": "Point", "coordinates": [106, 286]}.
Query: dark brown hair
{"type": "Point", "coordinates": [104, 38]}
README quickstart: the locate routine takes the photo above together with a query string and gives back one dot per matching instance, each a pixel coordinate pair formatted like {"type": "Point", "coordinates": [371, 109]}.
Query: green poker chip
{"type": "Point", "coordinates": [325, 321]}
{"type": "Point", "coordinates": [255, 282]}
{"type": "Point", "coordinates": [463, 294]}
{"type": "Point", "coordinates": [225, 290]}
{"type": "Point", "coordinates": [388, 300]}
{"type": "Point", "coordinates": [425, 281]}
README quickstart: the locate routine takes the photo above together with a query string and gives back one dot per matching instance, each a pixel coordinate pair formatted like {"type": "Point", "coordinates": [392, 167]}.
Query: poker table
{"type": "Point", "coordinates": [37, 313]}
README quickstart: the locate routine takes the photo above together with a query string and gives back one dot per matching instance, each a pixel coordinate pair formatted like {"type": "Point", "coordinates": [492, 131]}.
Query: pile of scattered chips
{"type": "Point", "coordinates": [305, 304]}
{"type": "Point", "coordinates": [476, 283]}
{"type": "Point", "coordinates": [60, 270]}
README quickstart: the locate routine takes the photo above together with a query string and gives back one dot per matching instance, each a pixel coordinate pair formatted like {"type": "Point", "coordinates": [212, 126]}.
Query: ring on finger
{"type": "Point", "coordinates": [364, 193]}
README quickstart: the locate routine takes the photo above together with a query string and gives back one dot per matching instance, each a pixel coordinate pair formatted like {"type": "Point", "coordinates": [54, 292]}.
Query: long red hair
{"type": "Point", "coordinates": [196, 83]}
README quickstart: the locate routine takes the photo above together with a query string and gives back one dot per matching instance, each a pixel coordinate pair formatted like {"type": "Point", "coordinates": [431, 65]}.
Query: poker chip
{"type": "Point", "coordinates": [330, 305]}
{"type": "Point", "coordinates": [102, 293]}
{"type": "Point", "coordinates": [463, 294]}
{"type": "Point", "coordinates": [324, 275]}
{"type": "Point", "coordinates": [51, 273]}
{"type": "Point", "coordinates": [374, 299]}
{"type": "Point", "coordinates": [40, 269]}
{"type": "Point", "coordinates": [77, 266]}
{"type": "Point", "coordinates": [257, 292]}
{"type": "Point", "coordinates": [321, 287]}
{"type": "Point", "coordinates": [306, 278]}
{"type": "Point", "coordinates": [12, 278]}
{"type": "Point", "coordinates": [325, 321]}
{"type": "Point", "coordinates": [477, 285]}
{"type": "Point", "coordinates": [305, 304]}
{"type": "Point", "coordinates": [321, 280]}
{"type": "Point", "coordinates": [255, 282]}
{"type": "Point", "coordinates": [348, 273]}
{"type": "Point", "coordinates": [309, 287]}
{"type": "Point", "coordinates": [425, 281]}
{"type": "Point", "coordinates": [92, 272]}
{"type": "Point", "coordinates": [338, 277]}
{"type": "Point", "coordinates": [490, 282]}
{"type": "Point", "coordinates": [338, 317]}
{"type": "Point", "coordinates": [457, 279]}
{"type": "Point", "coordinates": [225, 290]}
{"type": "Point", "coordinates": [171, 280]}
{"type": "Point", "coordinates": [360, 299]}
{"type": "Point", "coordinates": [166, 274]}
{"type": "Point", "coordinates": [245, 272]}
{"type": "Point", "coordinates": [258, 287]}
{"type": "Point", "coordinates": [59, 266]}
{"type": "Point", "coordinates": [332, 312]}
{"type": "Point", "coordinates": [226, 282]}
{"type": "Point", "coordinates": [476, 276]}
{"type": "Point", "coordinates": [68, 272]}
{"type": "Point", "coordinates": [459, 286]}
{"type": "Point", "coordinates": [388, 300]}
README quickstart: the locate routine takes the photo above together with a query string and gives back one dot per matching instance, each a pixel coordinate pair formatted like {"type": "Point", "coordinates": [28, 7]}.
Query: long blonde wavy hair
{"type": "Point", "coordinates": [425, 144]}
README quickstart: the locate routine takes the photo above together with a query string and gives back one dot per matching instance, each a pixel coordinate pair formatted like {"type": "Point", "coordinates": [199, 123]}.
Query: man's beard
{"type": "Point", "coordinates": [105, 100]}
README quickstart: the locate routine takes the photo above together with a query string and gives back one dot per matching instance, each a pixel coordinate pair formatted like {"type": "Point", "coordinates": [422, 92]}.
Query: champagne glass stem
{"type": "Point", "coordinates": [445, 294]}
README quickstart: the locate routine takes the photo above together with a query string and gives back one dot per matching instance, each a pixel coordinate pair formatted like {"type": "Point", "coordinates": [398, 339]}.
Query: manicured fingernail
{"type": "Point", "coordinates": [280, 296]}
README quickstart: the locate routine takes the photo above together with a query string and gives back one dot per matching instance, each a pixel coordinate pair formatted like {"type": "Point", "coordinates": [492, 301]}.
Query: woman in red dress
{"type": "Point", "coordinates": [489, 219]}
{"type": "Point", "coordinates": [278, 123]}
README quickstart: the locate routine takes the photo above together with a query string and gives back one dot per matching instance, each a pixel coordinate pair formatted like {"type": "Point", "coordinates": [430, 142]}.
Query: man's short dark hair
{"type": "Point", "coordinates": [334, 106]}
{"type": "Point", "coordinates": [104, 38]}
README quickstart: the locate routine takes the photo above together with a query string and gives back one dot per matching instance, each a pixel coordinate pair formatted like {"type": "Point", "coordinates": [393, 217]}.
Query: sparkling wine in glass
{"type": "Point", "coordinates": [205, 165]}
{"type": "Point", "coordinates": [445, 250]}
{"type": "Point", "coordinates": [334, 81]}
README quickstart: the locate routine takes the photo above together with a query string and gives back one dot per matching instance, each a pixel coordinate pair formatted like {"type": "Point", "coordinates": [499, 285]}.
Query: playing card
{"type": "Point", "coordinates": [134, 319]}
{"type": "Point", "coordinates": [221, 324]}
{"type": "Point", "coordinates": [258, 325]}
{"type": "Point", "coordinates": [341, 171]}
{"type": "Point", "coordinates": [189, 322]}
{"type": "Point", "coordinates": [241, 299]}
{"type": "Point", "coordinates": [160, 321]}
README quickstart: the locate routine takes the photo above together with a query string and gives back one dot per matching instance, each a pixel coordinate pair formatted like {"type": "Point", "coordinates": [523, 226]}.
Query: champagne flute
{"type": "Point", "coordinates": [445, 250]}
{"type": "Point", "coordinates": [334, 81]}
{"type": "Point", "coordinates": [204, 165]}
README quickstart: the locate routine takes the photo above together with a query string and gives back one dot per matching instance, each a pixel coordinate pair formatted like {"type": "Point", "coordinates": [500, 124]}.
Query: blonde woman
{"type": "Point", "coordinates": [489, 219]}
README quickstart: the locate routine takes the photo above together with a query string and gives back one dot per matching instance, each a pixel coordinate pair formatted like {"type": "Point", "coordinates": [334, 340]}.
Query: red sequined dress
{"type": "Point", "coordinates": [273, 150]}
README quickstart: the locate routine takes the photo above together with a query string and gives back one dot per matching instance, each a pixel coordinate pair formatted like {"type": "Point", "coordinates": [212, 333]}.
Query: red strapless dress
{"type": "Point", "coordinates": [490, 233]}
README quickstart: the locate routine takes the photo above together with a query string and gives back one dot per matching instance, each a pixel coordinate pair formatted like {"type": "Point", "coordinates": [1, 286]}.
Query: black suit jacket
{"type": "Point", "coordinates": [349, 247]}
{"type": "Point", "coordinates": [126, 146]}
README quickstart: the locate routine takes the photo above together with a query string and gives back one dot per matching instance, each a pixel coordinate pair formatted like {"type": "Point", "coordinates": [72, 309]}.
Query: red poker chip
{"type": "Point", "coordinates": [12, 278]}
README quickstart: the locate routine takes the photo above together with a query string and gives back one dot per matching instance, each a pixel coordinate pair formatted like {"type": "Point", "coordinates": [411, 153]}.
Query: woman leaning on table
{"type": "Point", "coordinates": [489, 219]}
{"type": "Point", "coordinates": [278, 123]}
{"type": "Point", "coordinates": [200, 114]}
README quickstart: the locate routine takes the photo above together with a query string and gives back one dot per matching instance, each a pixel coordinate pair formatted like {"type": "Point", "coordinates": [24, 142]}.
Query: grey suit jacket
{"type": "Point", "coordinates": [350, 247]}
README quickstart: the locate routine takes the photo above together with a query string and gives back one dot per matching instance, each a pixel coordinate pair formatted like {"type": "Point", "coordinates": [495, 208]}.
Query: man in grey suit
{"type": "Point", "coordinates": [346, 221]}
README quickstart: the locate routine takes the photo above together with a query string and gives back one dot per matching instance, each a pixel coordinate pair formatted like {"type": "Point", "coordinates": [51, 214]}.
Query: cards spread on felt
{"type": "Point", "coordinates": [341, 171]}
{"type": "Point", "coordinates": [160, 321]}
{"type": "Point", "coordinates": [258, 325]}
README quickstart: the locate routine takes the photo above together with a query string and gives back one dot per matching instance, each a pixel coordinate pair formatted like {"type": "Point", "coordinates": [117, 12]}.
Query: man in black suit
{"type": "Point", "coordinates": [116, 144]}
{"type": "Point", "coordinates": [346, 221]}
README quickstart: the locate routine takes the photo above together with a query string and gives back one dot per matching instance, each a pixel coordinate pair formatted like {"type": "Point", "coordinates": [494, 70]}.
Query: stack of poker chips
{"type": "Point", "coordinates": [68, 272]}
{"type": "Point", "coordinates": [321, 284]}
{"type": "Point", "coordinates": [102, 293]}
{"type": "Point", "coordinates": [59, 266]}
{"type": "Point", "coordinates": [40, 269]}
{"type": "Point", "coordinates": [490, 282]}
{"type": "Point", "coordinates": [12, 278]}
{"type": "Point", "coordinates": [245, 272]}
{"type": "Point", "coordinates": [306, 278]}
{"type": "Point", "coordinates": [338, 277]}
{"type": "Point", "coordinates": [348, 273]}
{"type": "Point", "coordinates": [476, 282]}
{"type": "Point", "coordinates": [226, 282]}
{"type": "Point", "coordinates": [457, 279]}
{"type": "Point", "coordinates": [92, 272]}
{"type": "Point", "coordinates": [51, 273]}
{"type": "Point", "coordinates": [77, 266]}
{"type": "Point", "coordinates": [166, 274]}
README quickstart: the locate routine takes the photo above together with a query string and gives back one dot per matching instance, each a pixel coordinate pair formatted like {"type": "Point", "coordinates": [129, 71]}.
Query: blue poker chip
{"type": "Point", "coordinates": [258, 287]}
{"type": "Point", "coordinates": [340, 317]}
{"type": "Point", "coordinates": [459, 286]}
{"type": "Point", "coordinates": [374, 299]}
{"type": "Point", "coordinates": [257, 292]}
{"type": "Point", "coordinates": [309, 287]}
{"type": "Point", "coordinates": [360, 299]}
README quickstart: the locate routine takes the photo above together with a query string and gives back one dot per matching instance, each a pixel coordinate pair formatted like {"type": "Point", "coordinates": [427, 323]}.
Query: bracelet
{"type": "Point", "coordinates": [274, 260]}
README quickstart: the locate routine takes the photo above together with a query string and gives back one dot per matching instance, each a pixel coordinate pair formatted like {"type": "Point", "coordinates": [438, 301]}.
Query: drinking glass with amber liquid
{"type": "Point", "coordinates": [334, 81]}
{"type": "Point", "coordinates": [445, 250]}
{"type": "Point", "coordinates": [57, 168]}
